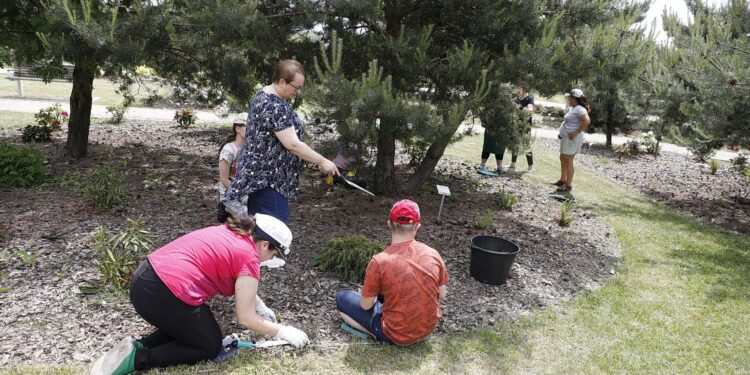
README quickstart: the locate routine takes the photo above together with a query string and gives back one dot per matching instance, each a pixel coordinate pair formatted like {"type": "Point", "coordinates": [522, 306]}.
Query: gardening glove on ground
{"type": "Point", "coordinates": [294, 336]}
{"type": "Point", "coordinates": [265, 312]}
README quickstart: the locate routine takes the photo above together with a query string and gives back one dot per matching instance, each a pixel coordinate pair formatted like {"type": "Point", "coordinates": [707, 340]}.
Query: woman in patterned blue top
{"type": "Point", "coordinates": [268, 169]}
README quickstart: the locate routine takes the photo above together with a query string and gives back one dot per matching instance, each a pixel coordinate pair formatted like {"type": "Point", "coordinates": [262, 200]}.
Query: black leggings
{"type": "Point", "coordinates": [184, 334]}
{"type": "Point", "coordinates": [513, 156]}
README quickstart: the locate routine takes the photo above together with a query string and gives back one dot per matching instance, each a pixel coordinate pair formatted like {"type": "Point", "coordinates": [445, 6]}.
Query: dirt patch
{"type": "Point", "coordinates": [678, 181]}
{"type": "Point", "coordinates": [171, 177]}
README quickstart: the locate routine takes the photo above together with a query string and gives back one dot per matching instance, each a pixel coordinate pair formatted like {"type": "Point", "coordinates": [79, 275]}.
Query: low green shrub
{"type": "Point", "coordinates": [185, 117]}
{"type": "Point", "coordinates": [54, 117]}
{"type": "Point", "coordinates": [702, 150]}
{"type": "Point", "coordinates": [566, 216]}
{"type": "Point", "coordinates": [629, 148]}
{"type": "Point", "coordinates": [347, 256]}
{"type": "Point", "coordinates": [117, 112]}
{"type": "Point", "coordinates": [36, 133]}
{"type": "Point", "coordinates": [714, 165]}
{"type": "Point", "coordinates": [740, 162]}
{"type": "Point", "coordinates": [506, 200]}
{"type": "Point", "coordinates": [651, 144]}
{"type": "Point", "coordinates": [119, 254]}
{"type": "Point", "coordinates": [104, 187]}
{"type": "Point", "coordinates": [21, 166]}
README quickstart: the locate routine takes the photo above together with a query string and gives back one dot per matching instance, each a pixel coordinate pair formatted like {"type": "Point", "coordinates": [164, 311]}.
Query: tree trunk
{"type": "Point", "coordinates": [384, 173]}
{"type": "Point", "coordinates": [610, 128]}
{"type": "Point", "coordinates": [80, 110]}
{"type": "Point", "coordinates": [425, 168]}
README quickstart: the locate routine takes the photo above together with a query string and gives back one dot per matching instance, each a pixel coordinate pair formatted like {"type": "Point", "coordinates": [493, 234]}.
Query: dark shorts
{"type": "Point", "coordinates": [270, 202]}
{"type": "Point", "coordinates": [489, 146]}
{"type": "Point", "coordinates": [347, 301]}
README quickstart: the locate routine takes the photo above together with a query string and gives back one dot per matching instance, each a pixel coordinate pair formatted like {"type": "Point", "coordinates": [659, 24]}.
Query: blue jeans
{"type": "Point", "coordinates": [270, 202]}
{"type": "Point", "coordinates": [347, 301]}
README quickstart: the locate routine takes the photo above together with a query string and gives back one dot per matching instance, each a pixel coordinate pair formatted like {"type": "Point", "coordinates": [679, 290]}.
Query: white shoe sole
{"type": "Point", "coordinates": [111, 360]}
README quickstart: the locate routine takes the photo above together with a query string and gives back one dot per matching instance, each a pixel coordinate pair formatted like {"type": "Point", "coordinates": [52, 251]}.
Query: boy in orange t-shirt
{"type": "Point", "coordinates": [403, 284]}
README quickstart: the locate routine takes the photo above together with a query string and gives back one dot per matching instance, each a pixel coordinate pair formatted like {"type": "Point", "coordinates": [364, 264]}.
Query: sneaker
{"type": "Point", "coordinates": [511, 168]}
{"type": "Point", "coordinates": [530, 169]}
{"type": "Point", "coordinates": [119, 360]}
{"type": "Point", "coordinates": [558, 183]}
{"type": "Point", "coordinates": [564, 188]}
{"type": "Point", "coordinates": [500, 170]}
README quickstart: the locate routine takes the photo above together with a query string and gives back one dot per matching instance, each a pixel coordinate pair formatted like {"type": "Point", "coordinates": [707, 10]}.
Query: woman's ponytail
{"type": "Point", "coordinates": [243, 226]}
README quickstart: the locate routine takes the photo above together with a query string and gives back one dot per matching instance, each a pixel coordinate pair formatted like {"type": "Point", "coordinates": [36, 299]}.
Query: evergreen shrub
{"type": "Point", "coordinates": [347, 256]}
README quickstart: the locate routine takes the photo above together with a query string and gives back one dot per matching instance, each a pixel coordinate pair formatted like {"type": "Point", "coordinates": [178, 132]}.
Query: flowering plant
{"type": "Point", "coordinates": [53, 117]}
{"type": "Point", "coordinates": [184, 117]}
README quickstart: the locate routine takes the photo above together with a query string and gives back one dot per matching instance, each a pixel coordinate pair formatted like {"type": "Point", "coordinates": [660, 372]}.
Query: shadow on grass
{"type": "Point", "coordinates": [484, 348]}
{"type": "Point", "coordinates": [720, 259]}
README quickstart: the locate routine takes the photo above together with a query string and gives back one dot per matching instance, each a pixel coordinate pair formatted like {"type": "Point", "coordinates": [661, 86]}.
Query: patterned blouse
{"type": "Point", "coordinates": [264, 161]}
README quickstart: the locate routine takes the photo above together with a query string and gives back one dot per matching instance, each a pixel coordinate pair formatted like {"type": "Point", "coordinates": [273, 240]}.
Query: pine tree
{"type": "Point", "coordinates": [412, 72]}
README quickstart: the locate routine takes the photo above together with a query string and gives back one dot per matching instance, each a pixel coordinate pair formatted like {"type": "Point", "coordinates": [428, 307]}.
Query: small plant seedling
{"type": "Point", "coordinates": [484, 221]}
{"type": "Point", "coordinates": [714, 165]}
{"type": "Point", "coordinates": [119, 254]}
{"type": "Point", "coordinates": [27, 257]}
{"type": "Point", "coordinates": [506, 200]}
{"type": "Point", "coordinates": [565, 213]}
{"type": "Point", "coordinates": [604, 160]}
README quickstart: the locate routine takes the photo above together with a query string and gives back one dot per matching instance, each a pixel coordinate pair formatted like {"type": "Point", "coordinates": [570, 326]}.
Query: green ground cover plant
{"type": "Point", "coordinates": [104, 187]}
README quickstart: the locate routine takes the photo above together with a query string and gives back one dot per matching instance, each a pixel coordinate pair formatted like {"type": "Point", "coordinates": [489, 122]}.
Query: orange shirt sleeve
{"type": "Point", "coordinates": [372, 279]}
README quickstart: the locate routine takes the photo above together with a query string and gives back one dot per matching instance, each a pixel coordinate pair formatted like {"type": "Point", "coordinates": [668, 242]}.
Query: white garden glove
{"type": "Point", "coordinates": [294, 336]}
{"type": "Point", "coordinates": [264, 312]}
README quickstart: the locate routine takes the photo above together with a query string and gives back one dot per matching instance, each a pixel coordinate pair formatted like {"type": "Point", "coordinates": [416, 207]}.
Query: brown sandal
{"type": "Point", "coordinates": [558, 183]}
{"type": "Point", "coordinates": [564, 188]}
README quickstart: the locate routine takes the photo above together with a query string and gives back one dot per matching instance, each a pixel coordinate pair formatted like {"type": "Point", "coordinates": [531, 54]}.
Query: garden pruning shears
{"type": "Point", "coordinates": [231, 344]}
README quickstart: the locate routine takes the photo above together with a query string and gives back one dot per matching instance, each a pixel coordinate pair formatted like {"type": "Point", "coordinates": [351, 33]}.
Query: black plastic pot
{"type": "Point", "coordinates": [491, 259]}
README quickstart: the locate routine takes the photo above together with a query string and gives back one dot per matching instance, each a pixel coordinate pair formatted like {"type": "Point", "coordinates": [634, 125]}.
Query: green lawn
{"type": "Point", "coordinates": [103, 94]}
{"type": "Point", "coordinates": [680, 303]}
{"type": "Point", "coordinates": [15, 119]}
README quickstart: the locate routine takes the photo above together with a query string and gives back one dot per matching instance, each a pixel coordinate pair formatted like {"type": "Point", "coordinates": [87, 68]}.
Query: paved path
{"type": "Point", "coordinates": [165, 114]}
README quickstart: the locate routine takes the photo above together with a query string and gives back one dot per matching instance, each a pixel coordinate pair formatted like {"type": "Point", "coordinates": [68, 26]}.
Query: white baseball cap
{"type": "Point", "coordinates": [240, 118]}
{"type": "Point", "coordinates": [274, 231]}
{"type": "Point", "coordinates": [576, 93]}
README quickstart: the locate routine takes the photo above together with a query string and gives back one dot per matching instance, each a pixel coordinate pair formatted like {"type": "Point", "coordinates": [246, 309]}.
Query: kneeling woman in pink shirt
{"type": "Point", "coordinates": [169, 290]}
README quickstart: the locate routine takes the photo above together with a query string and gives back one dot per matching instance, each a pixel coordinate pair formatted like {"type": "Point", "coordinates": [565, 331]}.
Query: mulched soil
{"type": "Point", "coordinates": [678, 181]}
{"type": "Point", "coordinates": [171, 178]}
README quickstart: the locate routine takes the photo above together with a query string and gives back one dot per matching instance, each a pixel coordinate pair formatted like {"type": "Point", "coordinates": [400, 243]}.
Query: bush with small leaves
{"type": "Point", "coordinates": [714, 165]}
{"type": "Point", "coordinates": [740, 162]}
{"type": "Point", "coordinates": [119, 254]}
{"type": "Point", "coordinates": [348, 256]}
{"type": "Point", "coordinates": [185, 117]}
{"type": "Point", "coordinates": [484, 221]}
{"type": "Point", "coordinates": [630, 148]}
{"type": "Point", "coordinates": [54, 117]}
{"type": "Point", "coordinates": [36, 133]}
{"type": "Point", "coordinates": [702, 150]}
{"type": "Point", "coordinates": [104, 187]}
{"type": "Point", "coordinates": [566, 216]}
{"type": "Point", "coordinates": [651, 144]}
{"type": "Point", "coordinates": [21, 166]}
{"type": "Point", "coordinates": [117, 112]}
{"type": "Point", "coordinates": [506, 200]}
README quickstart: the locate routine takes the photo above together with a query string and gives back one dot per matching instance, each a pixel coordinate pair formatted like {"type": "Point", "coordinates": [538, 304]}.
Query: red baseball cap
{"type": "Point", "coordinates": [405, 212]}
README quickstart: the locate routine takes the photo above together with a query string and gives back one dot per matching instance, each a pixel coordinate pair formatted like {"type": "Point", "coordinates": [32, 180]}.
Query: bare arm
{"type": "Point", "coordinates": [246, 296]}
{"type": "Point", "coordinates": [367, 303]}
{"type": "Point", "coordinates": [291, 142]}
{"type": "Point", "coordinates": [585, 121]}
{"type": "Point", "coordinates": [224, 173]}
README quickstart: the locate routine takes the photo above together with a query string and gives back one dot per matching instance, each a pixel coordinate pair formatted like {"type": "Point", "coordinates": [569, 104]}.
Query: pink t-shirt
{"type": "Point", "coordinates": [202, 263]}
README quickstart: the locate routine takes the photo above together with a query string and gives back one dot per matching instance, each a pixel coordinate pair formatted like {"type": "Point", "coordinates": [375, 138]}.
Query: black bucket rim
{"type": "Point", "coordinates": [474, 247]}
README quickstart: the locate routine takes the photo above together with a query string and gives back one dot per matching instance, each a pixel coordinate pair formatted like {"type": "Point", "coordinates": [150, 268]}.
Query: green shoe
{"type": "Point", "coordinates": [120, 360]}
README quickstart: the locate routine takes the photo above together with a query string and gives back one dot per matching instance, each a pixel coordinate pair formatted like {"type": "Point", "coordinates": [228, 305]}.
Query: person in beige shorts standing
{"type": "Point", "coordinates": [571, 136]}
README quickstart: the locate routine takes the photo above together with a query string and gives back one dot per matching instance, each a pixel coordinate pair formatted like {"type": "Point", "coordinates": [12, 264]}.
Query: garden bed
{"type": "Point", "coordinates": [678, 181]}
{"type": "Point", "coordinates": [171, 178]}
